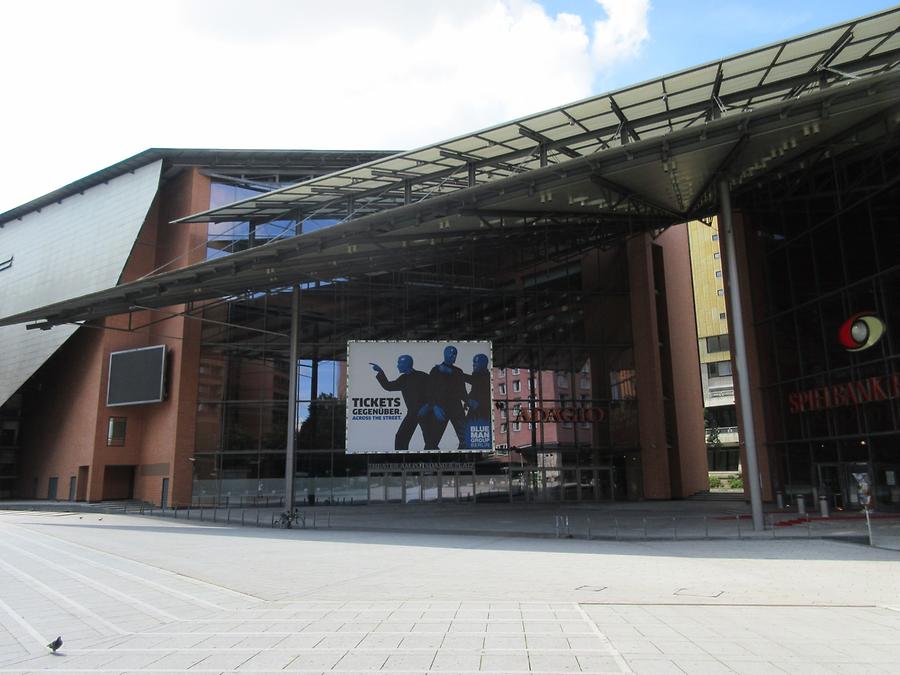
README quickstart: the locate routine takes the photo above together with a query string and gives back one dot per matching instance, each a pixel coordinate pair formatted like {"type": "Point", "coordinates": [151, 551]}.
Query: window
{"type": "Point", "coordinates": [722, 315]}
{"type": "Point", "coordinates": [720, 416]}
{"type": "Point", "coordinates": [517, 386]}
{"type": "Point", "coordinates": [517, 426]}
{"type": "Point", "coordinates": [717, 255]}
{"type": "Point", "coordinates": [115, 433]}
{"type": "Point", "coordinates": [515, 371]}
{"type": "Point", "coordinates": [720, 292]}
{"type": "Point", "coordinates": [715, 237]}
{"type": "Point", "coordinates": [719, 368]}
{"type": "Point", "coordinates": [718, 274]}
{"type": "Point", "coordinates": [503, 427]}
{"type": "Point", "coordinates": [503, 372]}
{"type": "Point", "coordinates": [502, 387]}
{"type": "Point", "coordinates": [717, 343]}
{"type": "Point", "coordinates": [562, 380]}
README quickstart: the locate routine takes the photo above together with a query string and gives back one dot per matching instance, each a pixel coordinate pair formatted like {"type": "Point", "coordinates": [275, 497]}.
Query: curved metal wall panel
{"type": "Point", "coordinates": [77, 246]}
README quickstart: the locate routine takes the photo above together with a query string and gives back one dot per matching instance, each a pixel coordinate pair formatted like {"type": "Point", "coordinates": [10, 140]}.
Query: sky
{"type": "Point", "coordinates": [88, 83]}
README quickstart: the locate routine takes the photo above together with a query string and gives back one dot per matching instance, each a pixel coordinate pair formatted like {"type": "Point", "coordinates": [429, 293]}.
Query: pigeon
{"type": "Point", "coordinates": [56, 644]}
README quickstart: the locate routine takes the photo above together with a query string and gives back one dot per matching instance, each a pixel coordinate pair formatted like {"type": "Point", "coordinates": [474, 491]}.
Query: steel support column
{"type": "Point", "coordinates": [739, 352]}
{"type": "Point", "coordinates": [292, 401]}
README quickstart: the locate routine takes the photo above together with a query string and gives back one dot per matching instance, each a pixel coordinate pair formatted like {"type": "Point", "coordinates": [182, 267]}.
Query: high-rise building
{"type": "Point", "coordinates": [719, 412]}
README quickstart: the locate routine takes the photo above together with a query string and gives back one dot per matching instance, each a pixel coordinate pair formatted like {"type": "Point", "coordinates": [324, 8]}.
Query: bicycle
{"type": "Point", "coordinates": [288, 519]}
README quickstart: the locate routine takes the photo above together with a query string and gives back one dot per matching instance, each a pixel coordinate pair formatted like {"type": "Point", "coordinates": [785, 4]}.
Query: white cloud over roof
{"type": "Point", "coordinates": [98, 80]}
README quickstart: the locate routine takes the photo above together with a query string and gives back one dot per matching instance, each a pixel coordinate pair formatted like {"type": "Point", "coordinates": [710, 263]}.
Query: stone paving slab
{"type": "Point", "coordinates": [134, 595]}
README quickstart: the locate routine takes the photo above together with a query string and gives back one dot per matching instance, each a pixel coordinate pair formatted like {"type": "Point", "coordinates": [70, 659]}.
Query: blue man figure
{"type": "Point", "coordinates": [447, 397]}
{"type": "Point", "coordinates": [480, 392]}
{"type": "Point", "coordinates": [414, 386]}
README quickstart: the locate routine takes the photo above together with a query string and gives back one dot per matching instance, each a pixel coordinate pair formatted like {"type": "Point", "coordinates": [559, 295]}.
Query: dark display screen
{"type": "Point", "coordinates": [136, 376]}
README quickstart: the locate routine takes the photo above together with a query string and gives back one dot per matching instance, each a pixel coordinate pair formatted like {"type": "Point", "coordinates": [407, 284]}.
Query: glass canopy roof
{"type": "Point", "coordinates": [768, 75]}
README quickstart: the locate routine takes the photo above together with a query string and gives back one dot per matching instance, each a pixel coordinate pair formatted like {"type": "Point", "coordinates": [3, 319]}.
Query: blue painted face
{"type": "Point", "coordinates": [479, 363]}
{"type": "Point", "coordinates": [450, 353]}
{"type": "Point", "coordinates": [404, 364]}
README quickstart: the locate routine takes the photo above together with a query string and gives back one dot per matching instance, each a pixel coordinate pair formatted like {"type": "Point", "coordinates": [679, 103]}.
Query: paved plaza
{"type": "Point", "coordinates": [137, 594]}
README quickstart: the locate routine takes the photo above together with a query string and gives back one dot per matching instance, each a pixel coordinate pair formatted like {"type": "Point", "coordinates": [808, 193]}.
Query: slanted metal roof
{"type": "Point", "coordinates": [286, 163]}
{"type": "Point", "coordinates": [772, 75]}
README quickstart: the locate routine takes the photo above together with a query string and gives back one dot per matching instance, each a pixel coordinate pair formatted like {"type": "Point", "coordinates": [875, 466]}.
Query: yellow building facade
{"type": "Point", "coordinates": [707, 277]}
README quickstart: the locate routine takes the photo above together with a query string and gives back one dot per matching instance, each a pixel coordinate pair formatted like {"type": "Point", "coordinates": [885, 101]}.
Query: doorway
{"type": "Point", "coordinates": [82, 484]}
{"type": "Point", "coordinates": [118, 482]}
{"type": "Point", "coordinates": [837, 483]}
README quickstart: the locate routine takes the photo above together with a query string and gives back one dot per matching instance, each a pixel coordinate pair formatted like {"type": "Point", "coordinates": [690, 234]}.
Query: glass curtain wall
{"type": "Point", "coordinates": [829, 241]}
{"type": "Point", "coordinates": [561, 334]}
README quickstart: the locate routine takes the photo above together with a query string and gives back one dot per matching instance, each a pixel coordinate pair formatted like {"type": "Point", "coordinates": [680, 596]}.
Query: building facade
{"type": "Point", "coordinates": [569, 334]}
{"type": "Point", "coordinates": [558, 237]}
{"type": "Point", "coordinates": [719, 412]}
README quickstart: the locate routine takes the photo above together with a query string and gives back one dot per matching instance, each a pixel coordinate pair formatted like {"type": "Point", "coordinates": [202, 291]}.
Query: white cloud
{"type": "Point", "coordinates": [94, 81]}
{"type": "Point", "coordinates": [620, 35]}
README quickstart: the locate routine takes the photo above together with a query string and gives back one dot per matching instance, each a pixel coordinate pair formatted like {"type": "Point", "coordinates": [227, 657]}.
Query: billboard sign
{"type": "Point", "coordinates": [136, 376]}
{"type": "Point", "coordinates": [419, 396]}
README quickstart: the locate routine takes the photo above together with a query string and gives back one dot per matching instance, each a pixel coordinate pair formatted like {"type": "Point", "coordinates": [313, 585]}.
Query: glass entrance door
{"type": "Point", "coordinates": [830, 485]}
{"type": "Point", "coordinates": [595, 483]}
{"type": "Point", "coordinates": [412, 487]}
{"type": "Point", "coordinates": [429, 487]}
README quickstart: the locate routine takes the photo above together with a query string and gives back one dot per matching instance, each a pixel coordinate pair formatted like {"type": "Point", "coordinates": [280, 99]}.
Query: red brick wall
{"type": "Point", "coordinates": [685, 358]}
{"type": "Point", "coordinates": [67, 422]}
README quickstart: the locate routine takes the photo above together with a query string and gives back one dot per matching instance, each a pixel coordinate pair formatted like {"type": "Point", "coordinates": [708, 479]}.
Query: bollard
{"type": "Point", "coordinates": [801, 505]}
{"type": "Point", "coordinates": [779, 499]}
{"type": "Point", "coordinates": [568, 531]}
{"type": "Point", "coordinates": [228, 515]}
{"type": "Point", "coordinates": [214, 513]}
{"type": "Point", "coordinates": [189, 513]}
{"type": "Point", "coordinates": [823, 507]}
